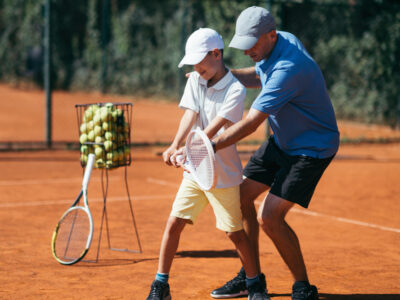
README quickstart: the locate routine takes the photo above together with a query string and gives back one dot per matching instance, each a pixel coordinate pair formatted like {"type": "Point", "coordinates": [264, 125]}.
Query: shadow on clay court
{"type": "Point", "coordinates": [323, 296]}
{"type": "Point", "coordinates": [181, 254]}
{"type": "Point", "coordinates": [111, 262]}
{"type": "Point", "coordinates": [207, 253]}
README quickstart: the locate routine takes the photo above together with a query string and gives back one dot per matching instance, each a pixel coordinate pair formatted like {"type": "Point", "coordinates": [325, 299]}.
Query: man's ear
{"type": "Point", "coordinates": [273, 35]}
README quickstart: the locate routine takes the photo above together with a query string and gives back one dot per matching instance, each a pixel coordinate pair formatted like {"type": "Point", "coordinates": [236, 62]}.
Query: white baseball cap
{"type": "Point", "coordinates": [199, 44]}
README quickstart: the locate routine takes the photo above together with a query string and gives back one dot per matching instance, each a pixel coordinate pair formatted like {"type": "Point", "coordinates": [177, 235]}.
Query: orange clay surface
{"type": "Point", "coordinates": [350, 235]}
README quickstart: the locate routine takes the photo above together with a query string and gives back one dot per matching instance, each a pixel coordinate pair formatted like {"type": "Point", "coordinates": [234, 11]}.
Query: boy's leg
{"type": "Point", "coordinates": [160, 288]}
{"type": "Point", "coordinates": [253, 285]}
{"type": "Point", "coordinates": [246, 256]}
{"type": "Point", "coordinates": [227, 209]}
{"type": "Point", "coordinates": [189, 202]}
{"type": "Point", "coordinates": [249, 191]}
{"type": "Point", "coordinates": [169, 243]}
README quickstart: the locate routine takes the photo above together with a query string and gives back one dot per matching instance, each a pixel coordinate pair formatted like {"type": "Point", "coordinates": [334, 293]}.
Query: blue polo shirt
{"type": "Point", "coordinates": [294, 95]}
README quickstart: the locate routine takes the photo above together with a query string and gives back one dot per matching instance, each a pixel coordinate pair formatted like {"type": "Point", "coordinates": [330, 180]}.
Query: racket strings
{"type": "Point", "coordinates": [72, 235]}
{"type": "Point", "coordinates": [200, 159]}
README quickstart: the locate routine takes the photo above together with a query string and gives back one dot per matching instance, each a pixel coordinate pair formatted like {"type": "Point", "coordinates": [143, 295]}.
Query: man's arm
{"type": "Point", "coordinates": [216, 124]}
{"type": "Point", "coordinates": [241, 129]}
{"type": "Point", "coordinates": [248, 77]}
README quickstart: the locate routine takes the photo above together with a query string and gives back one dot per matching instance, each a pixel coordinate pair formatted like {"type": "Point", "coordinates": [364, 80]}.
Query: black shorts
{"type": "Point", "coordinates": [292, 178]}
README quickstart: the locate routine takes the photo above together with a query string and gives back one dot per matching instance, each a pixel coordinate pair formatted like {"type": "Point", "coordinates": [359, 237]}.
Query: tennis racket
{"type": "Point", "coordinates": [73, 233]}
{"type": "Point", "coordinates": [200, 159]}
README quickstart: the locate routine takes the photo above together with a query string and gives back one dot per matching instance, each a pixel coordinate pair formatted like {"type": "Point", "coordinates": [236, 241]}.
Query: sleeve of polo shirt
{"type": "Point", "coordinates": [233, 106]}
{"type": "Point", "coordinates": [278, 89]}
{"type": "Point", "coordinates": [188, 100]}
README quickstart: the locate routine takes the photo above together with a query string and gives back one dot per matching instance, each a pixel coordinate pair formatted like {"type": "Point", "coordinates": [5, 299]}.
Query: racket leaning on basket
{"type": "Point", "coordinates": [200, 159]}
{"type": "Point", "coordinates": [73, 233]}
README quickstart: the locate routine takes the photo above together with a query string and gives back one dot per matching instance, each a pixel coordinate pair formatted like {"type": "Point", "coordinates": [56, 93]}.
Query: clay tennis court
{"type": "Point", "coordinates": [350, 235]}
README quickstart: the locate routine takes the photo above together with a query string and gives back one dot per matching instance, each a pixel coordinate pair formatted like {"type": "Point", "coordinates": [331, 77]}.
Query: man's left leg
{"type": "Point", "coordinates": [271, 216]}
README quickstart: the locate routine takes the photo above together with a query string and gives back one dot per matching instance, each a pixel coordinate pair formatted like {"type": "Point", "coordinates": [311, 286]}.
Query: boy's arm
{"type": "Point", "coordinates": [186, 123]}
{"type": "Point", "coordinates": [248, 77]}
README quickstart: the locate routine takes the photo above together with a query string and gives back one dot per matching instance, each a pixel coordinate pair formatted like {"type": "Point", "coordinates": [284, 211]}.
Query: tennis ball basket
{"type": "Point", "coordinates": [105, 130]}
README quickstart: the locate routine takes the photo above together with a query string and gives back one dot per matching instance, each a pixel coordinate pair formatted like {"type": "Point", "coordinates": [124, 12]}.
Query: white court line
{"type": "Point", "coordinates": [165, 183]}
{"type": "Point", "coordinates": [340, 219]}
{"type": "Point", "coordinates": [345, 220]}
{"type": "Point", "coordinates": [162, 182]}
{"type": "Point", "coordinates": [91, 200]}
{"type": "Point", "coordinates": [307, 212]}
{"type": "Point", "coordinates": [48, 181]}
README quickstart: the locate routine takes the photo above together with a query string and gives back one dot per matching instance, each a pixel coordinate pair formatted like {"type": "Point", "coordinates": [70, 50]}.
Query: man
{"type": "Point", "coordinates": [294, 99]}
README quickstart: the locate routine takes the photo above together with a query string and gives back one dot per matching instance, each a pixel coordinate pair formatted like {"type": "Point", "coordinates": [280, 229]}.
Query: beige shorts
{"type": "Point", "coordinates": [191, 200]}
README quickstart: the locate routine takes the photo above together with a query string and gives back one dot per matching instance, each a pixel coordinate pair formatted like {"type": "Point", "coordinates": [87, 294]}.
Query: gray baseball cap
{"type": "Point", "coordinates": [250, 25]}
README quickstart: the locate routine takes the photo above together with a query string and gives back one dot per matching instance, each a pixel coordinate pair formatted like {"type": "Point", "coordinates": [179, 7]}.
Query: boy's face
{"type": "Point", "coordinates": [263, 47]}
{"type": "Point", "coordinates": [208, 67]}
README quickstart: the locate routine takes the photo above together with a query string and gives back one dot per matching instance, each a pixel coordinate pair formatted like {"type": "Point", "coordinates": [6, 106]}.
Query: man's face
{"type": "Point", "coordinates": [208, 67]}
{"type": "Point", "coordinates": [263, 48]}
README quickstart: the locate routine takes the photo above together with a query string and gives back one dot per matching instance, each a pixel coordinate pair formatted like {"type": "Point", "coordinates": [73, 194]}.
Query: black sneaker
{"type": "Point", "coordinates": [257, 292]}
{"type": "Point", "coordinates": [236, 287]}
{"type": "Point", "coordinates": [304, 292]}
{"type": "Point", "coordinates": [159, 291]}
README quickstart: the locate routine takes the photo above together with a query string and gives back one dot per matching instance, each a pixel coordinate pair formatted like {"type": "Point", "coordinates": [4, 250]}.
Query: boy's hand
{"type": "Point", "coordinates": [178, 158]}
{"type": "Point", "coordinates": [167, 155]}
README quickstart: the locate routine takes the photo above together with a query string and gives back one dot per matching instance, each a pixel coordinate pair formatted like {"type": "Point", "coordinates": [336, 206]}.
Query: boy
{"type": "Point", "coordinates": [213, 100]}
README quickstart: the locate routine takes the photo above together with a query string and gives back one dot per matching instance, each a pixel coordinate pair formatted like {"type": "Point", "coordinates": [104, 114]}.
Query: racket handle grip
{"type": "Point", "coordinates": [88, 170]}
{"type": "Point", "coordinates": [180, 158]}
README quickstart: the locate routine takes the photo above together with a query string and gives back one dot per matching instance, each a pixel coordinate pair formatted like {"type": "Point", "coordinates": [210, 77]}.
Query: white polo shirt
{"type": "Point", "coordinates": [224, 99]}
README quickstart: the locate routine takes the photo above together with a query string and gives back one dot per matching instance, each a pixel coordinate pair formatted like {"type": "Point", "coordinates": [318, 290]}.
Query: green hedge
{"type": "Point", "coordinates": [134, 47]}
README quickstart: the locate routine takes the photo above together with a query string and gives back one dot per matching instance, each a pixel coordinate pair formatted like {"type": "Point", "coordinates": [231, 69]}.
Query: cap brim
{"type": "Point", "coordinates": [243, 42]}
{"type": "Point", "coordinates": [192, 59]}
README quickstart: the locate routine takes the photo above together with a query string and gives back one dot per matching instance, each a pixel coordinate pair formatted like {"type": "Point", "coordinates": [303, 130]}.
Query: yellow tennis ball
{"type": "Point", "coordinates": [106, 126]}
{"type": "Point", "coordinates": [115, 155]}
{"type": "Point", "coordinates": [94, 108]}
{"type": "Point", "coordinates": [88, 115]}
{"type": "Point", "coordinates": [105, 114]}
{"type": "Point", "coordinates": [98, 130]}
{"type": "Point", "coordinates": [99, 152]}
{"type": "Point", "coordinates": [91, 136]}
{"type": "Point", "coordinates": [99, 140]}
{"type": "Point", "coordinates": [83, 128]}
{"type": "Point", "coordinates": [84, 159]}
{"type": "Point", "coordinates": [83, 138]}
{"type": "Point", "coordinates": [84, 149]}
{"type": "Point", "coordinates": [109, 135]}
{"type": "Point", "coordinates": [109, 163]}
{"type": "Point", "coordinates": [109, 106]}
{"type": "Point", "coordinates": [99, 163]}
{"type": "Point", "coordinates": [108, 145]}
{"type": "Point", "coordinates": [89, 125]}
{"type": "Point", "coordinates": [110, 156]}
{"type": "Point", "coordinates": [97, 119]}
